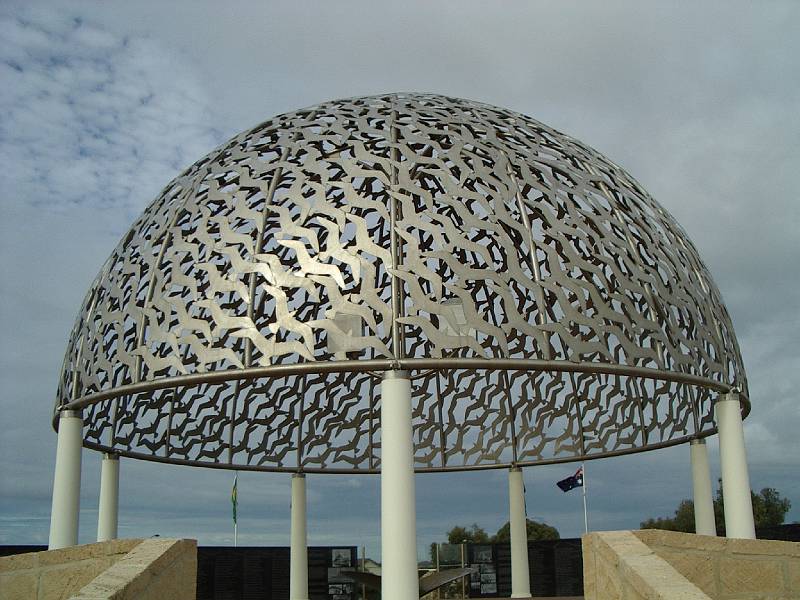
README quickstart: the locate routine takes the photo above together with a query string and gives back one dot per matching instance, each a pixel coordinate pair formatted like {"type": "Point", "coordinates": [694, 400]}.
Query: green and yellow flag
{"type": "Point", "coordinates": [234, 499]}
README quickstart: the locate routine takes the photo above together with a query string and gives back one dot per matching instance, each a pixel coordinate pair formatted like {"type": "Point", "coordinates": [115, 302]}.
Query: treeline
{"type": "Point", "coordinates": [769, 510]}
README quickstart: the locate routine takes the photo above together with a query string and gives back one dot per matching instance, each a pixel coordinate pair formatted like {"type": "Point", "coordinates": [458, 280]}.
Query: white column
{"type": "Point", "coordinates": [298, 552]}
{"type": "Point", "coordinates": [67, 481]}
{"type": "Point", "coordinates": [701, 484]}
{"type": "Point", "coordinates": [733, 462]}
{"type": "Point", "coordinates": [520, 575]}
{"type": "Point", "coordinates": [398, 510]}
{"type": "Point", "coordinates": [108, 511]}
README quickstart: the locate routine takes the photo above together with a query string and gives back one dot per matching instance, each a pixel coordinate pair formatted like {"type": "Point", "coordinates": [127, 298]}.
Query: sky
{"type": "Point", "coordinates": [101, 104]}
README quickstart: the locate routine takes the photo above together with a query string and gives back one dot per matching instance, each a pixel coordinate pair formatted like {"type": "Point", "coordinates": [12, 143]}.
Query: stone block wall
{"type": "Point", "coordinates": [156, 569]}
{"type": "Point", "coordinates": [727, 568]}
{"type": "Point", "coordinates": [654, 564]}
{"type": "Point", "coordinates": [117, 569]}
{"type": "Point", "coordinates": [57, 574]}
{"type": "Point", "coordinates": [619, 566]}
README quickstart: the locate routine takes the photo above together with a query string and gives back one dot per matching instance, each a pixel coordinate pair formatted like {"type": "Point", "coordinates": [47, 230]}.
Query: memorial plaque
{"type": "Point", "coordinates": [254, 573]}
{"type": "Point", "coordinates": [569, 568]}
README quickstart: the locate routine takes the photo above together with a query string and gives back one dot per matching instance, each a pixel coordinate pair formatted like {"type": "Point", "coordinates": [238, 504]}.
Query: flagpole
{"type": "Point", "coordinates": [585, 512]}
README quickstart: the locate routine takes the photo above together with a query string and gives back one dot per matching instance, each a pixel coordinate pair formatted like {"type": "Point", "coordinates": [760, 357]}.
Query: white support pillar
{"type": "Point", "coordinates": [398, 510]}
{"type": "Point", "coordinates": [520, 574]}
{"type": "Point", "coordinates": [108, 511]}
{"type": "Point", "coordinates": [298, 551]}
{"type": "Point", "coordinates": [733, 462]}
{"type": "Point", "coordinates": [701, 484]}
{"type": "Point", "coordinates": [67, 481]}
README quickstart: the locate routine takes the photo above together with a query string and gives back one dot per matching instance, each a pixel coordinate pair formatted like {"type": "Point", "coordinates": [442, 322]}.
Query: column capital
{"type": "Point", "coordinates": [396, 374]}
{"type": "Point", "coordinates": [70, 414]}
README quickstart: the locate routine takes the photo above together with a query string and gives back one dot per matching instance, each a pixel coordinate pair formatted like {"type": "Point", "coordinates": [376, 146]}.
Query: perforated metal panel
{"type": "Point", "coordinates": [546, 306]}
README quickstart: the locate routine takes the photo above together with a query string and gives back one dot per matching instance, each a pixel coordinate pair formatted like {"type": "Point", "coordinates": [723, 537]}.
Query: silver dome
{"type": "Point", "coordinates": [547, 307]}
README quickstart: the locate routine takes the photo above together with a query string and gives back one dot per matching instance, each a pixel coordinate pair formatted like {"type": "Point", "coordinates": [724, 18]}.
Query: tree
{"type": "Point", "coordinates": [458, 534]}
{"type": "Point", "coordinates": [682, 521]}
{"type": "Point", "coordinates": [769, 510]}
{"type": "Point", "coordinates": [477, 535]}
{"type": "Point", "coordinates": [472, 535]}
{"type": "Point", "coordinates": [536, 531]}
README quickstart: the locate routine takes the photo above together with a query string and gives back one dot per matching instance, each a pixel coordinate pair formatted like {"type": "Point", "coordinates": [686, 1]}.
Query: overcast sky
{"type": "Point", "coordinates": [101, 104]}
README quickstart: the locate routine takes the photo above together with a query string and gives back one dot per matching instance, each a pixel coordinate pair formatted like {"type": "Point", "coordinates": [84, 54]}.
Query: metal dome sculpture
{"type": "Point", "coordinates": [546, 307]}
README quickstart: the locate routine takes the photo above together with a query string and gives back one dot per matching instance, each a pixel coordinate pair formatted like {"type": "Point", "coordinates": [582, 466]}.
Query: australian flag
{"type": "Point", "coordinates": [572, 481]}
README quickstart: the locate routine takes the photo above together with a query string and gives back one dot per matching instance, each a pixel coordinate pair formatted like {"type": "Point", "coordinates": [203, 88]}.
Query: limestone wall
{"type": "Point", "coordinates": [120, 569]}
{"type": "Point", "coordinates": [657, 564]}
{"type": "Point", "coordinates": [156, 569]}
{"type": "Point", "coordinates": [727, 569]}
{"type": "Point", "coordinates": [617, 565]}
{"type": "Point", "coordinates": [57, 574]}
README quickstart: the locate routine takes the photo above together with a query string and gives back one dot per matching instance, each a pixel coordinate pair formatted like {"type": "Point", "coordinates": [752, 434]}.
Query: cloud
{"type": "Point", "coordinates": [93, 118]}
